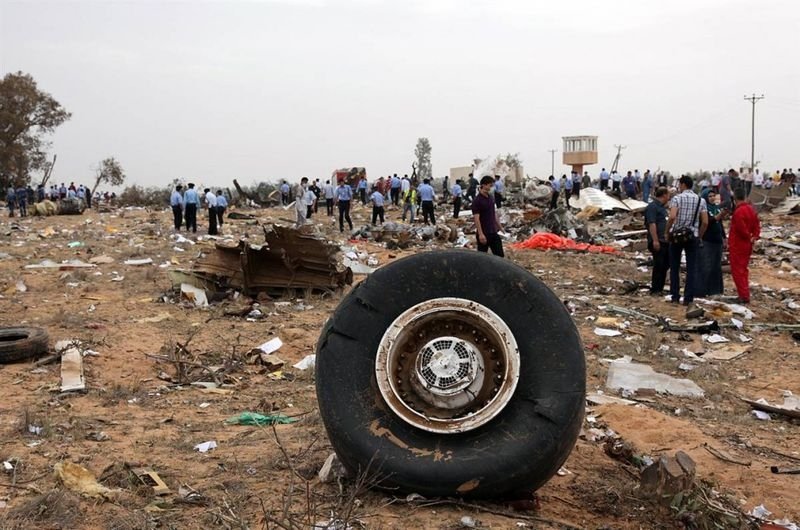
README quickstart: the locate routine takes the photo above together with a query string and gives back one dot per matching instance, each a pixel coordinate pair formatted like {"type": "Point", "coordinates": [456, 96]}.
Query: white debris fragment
{"type": "Point", "coordinates": [206, 446]}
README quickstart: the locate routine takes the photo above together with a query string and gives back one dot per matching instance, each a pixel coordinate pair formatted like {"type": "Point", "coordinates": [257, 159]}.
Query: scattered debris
{"type": "Point", "coordinates": [194, 295]}
{"type": "Point", "coordinates": [289, 259]}
{"type": "Point", "coordinates": [150, 478]}
{"type": "Point", "coordinates": [72, 376]}
{"type": "Point", "coordinates": [306, 362]}
{"type": "Point", "coordinates": [332, 470]}
{"type": "Point", "coordinates": [633, 377]}
{"type": "Point", "coordinates": [790, 407]}
{"type": "Point", "coordinates": [138, 262]}
{"type": "Point", "coordinates": [668, 475]}
{"type": "Point", "coordinates": [205, 447]}
{"type": "Point", "coordinates": [254, 418]}
{"type": "Point", "coordinates": [80, 480]}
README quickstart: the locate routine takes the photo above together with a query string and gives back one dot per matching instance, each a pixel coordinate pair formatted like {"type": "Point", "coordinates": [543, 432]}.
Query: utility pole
{"type": "Point", "coordinates": [553, 161]}
{"type": "Point", "coordinates": [753, 99]}
{"type": "Point", "coordinates": [615, 165]}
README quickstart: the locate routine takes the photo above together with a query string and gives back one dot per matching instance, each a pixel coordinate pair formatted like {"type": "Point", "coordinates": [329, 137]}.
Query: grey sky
{"type": "Point", "coordinates": [264, 90]}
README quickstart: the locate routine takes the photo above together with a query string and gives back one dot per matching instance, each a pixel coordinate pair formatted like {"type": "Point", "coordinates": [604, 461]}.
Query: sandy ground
{"type": "Point", "coordinates": [259, 477]}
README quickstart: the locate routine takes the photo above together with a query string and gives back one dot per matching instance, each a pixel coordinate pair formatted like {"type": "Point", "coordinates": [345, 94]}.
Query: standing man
{"type": "Point", "coordinates": [190, 203]}
{"type": "Point", "coordinates": [222, 205]}
{"type": "Point", "coordinates": [603, 180]}
{"type": "Point", "coordinates": [615, 180]}
{"type": "Point", "coordinates": [499, 189]}
{"type": "Point", "coordinates": [327, 191]}
{"type": "Point", "coordinates": [629, 185]}
{"type": "Point", "coordinates": [211, 203]}
{"type": "Point", "coordinates": [344, 194]}
{"type": "Point", "coordinates": [576, 184]}
{"type": "Point", "coordinates": [405, 185]}
{"type": "Point", "coordinates": [310, 200]}
{"type": "Point", "coordinates": [661, 181]}
{"type": "Point", "coordinates": [587, 180]}
{"type": "Point", "coordinates": [446, 188]}
{"type": "Point", "coordinates": [655, 220]}
{"type": "Point", "coordinates": [688, 220]}
{"type": "Point", "coordinates": [377, 205]}
{"type": "Point", "coordinates": [176, 201]}
{"type": "Point", "coordinates": [284, 193]}
{"type": "Point", "coordinates": [567, 184]}
{"type": "Point", "coordinates": [395, 190]}
{"type": "Point", "coordinates": [647, 184]}
{"type": "Point", "coordinates": [317, 194]}
{"type": "Point", "coordinates": [300, 206]}
{"type": "Point", "coordinates": [486, 221]}
{"type": "Point", "coordinates": [22, 201]}
{"type": "Point", "coordinates": [555, 188]}
{"type": "Point", "coordinates": [725, 191]}
{"type": "Point", "coordinates": [427, 196]}
{"type": "Point", "coordinates": [11, 200]}
{"type": "Point", "coordinates": [409, 202]}
{"type": "Point", "coordinates": [472, 187]}
{"type": "Point", "coordinates": [748, 181]}
{"type": "Point", "coordinates": [745, 231]}
{"type": "Point", "coordinates": [456, 198]}
{"type": "Point", "coordinates": [362, 192]}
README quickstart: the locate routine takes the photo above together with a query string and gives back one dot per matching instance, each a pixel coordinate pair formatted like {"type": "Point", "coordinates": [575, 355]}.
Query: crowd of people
{"type": "Point", "coordinates": [642, 186]}
{"type": "Point", "coordinates": [18, 199]}
{"type": "Point", "coordinates": [680, 223]}
{"type": "Point", "coordinates": [186, 203]}
{"type": "Point", "coordinates": [416, 201]}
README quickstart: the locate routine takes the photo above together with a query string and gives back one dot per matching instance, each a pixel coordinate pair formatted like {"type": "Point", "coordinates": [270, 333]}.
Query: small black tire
{"type": "Point", "coordinates": [517, 450]}
{"type": "Point", "coordinates": [22, 343]}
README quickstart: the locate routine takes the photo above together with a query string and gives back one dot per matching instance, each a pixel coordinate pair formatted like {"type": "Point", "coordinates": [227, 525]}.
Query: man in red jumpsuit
{"type": "Point", "coordinates": [745, 230]}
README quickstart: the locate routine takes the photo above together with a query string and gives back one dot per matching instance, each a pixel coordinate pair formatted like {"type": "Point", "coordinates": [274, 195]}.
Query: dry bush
{"type": "Point", "coordinates": [56, 509]}
{"type": "Point", "coordinates": [140, 196]}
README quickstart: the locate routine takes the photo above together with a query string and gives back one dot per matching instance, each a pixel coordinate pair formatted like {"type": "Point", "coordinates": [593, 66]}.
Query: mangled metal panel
{"type": "Point", "coordinates": [768, 198]}
{"type": "Point", "coordinates": [289, 259]}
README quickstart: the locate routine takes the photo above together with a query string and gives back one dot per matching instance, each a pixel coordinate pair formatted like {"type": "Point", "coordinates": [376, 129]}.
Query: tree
{"type": "Point", "coordinates": [27, 114]}
{"type": "Point", "coordinates": [109, 172]}
{"type": "Point", "coordinates": [423, 154]}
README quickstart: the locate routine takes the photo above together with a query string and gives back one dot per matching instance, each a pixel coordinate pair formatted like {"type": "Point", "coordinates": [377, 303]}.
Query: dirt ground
{"type": "Point", "coordinates": [260, 477]}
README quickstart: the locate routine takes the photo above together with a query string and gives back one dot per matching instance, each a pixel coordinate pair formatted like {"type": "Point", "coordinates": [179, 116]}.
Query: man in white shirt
{"type": "Point", "coordinates": [405, 184]}
{"type": "Point", "coordinates": [300, 208]}
{"type": "Point", "coordinates": [211, 203]}
{"type": "Point", "coordinates": [616, 178]}
{"type": "Point", "coordinates": [758, 179]}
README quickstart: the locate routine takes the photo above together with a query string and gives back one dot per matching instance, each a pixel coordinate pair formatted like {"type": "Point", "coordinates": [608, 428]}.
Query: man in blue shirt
{"type": "Point", "coordinates": [362, 190]}
{"type": "Point", "coordinates": [457, 198]}
{"type": "Point", "coordinates": [486, 222]}
{"type": "Point", "coordinates": [285, 193]}
{"type": "Point", "coordinates": [222, 204]}
{"type": "Point", "coordinates": [556, 188]}
{"type": "Point", "coordinates": [377, 205]}
{"type": "Point", "coordinates": [629, 185]}
{"type": "Point", "coordinates": [604, 176]}
{"type": "Point", "coordinates": [395, 190]}
{"type": "Point", "coordinates": [499, 189]}
{"type": "Point", "coordinates": [576, 184]}
{"type": "Point", "coordinates": [427, 196]}
{"type": "Point", "coordinates": [176, 201]}
{"type": "Point", "coordinates": [190, 203]}
{"type": "Point", "coordinates": [567, 188]}
{"type": "Point", "coordinates": [344, 194]}
{"type": "Point", "coordinates": [22, 201]}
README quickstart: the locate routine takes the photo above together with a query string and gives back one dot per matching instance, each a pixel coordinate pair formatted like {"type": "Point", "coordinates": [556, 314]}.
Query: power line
{"type": "Point", "coordinates": [753, 100]}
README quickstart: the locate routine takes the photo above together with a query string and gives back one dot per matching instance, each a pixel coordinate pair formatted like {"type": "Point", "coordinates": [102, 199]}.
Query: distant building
{"type": "Point", "coordinates": [579, 151]}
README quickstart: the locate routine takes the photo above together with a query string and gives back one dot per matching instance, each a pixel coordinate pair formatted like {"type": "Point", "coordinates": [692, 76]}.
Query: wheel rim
{"type": "Point", "coordinates": [447, 365]}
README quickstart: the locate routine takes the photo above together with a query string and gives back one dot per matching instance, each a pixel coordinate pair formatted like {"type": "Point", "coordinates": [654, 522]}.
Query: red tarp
{"type": "Point", "coordinates": [547, 241]}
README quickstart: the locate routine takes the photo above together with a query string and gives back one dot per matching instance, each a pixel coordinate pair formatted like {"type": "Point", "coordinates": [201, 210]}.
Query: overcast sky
{"type": "Point", "coordinates": [272, 89]}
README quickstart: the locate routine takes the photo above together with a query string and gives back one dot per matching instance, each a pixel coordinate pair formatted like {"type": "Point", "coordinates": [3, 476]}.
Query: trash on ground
{"type": "Point", "coordinates": [332, 470]}
{"type": "Point", "coordinates": [668, 475]}
{"type": "Point", "coordinates": [150, 478]}
{"type": "Point", "coordinates": [548, 241]}
{"type": "Point", "coordinates": [635, 376]}
{"type": "Point", "coordinates": [80, 480]}
{"type": "Point", "coordinates": [194, 295]}
{"type": "Point", "coordinates": [72, 376]}
{"type": "Point", "coordinates": [604, 332]}
{"type": "Point", "coordinates": [254, 418]}
{"type": "Point", "coordinates": [205, 447]}
{"type": "Point", "coordinates": [790, 406]}
{"type": "Point", "coordinates": [306, 362]}
{"type": "Point", "coordinates": [138, 262]}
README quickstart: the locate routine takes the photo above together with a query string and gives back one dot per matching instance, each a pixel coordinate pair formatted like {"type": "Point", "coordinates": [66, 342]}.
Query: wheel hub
{"type": "Point", "coordinates": [447, 365]}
